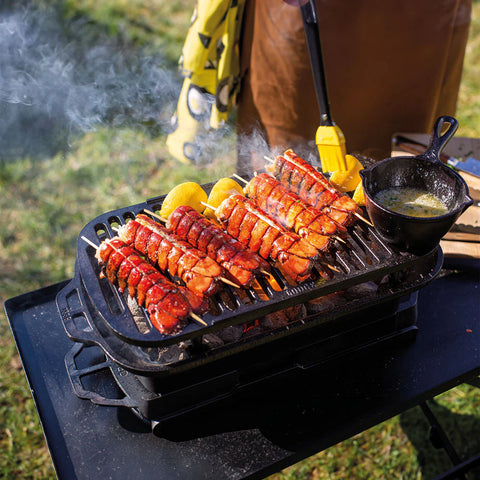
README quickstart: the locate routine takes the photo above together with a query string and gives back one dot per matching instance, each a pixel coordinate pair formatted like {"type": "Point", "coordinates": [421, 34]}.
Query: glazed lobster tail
{"type": "Point", "coordinates": [168, 305]}
{"type": "Point", "coordinates": [241, 264]}
{"type": "Point", "coordinates": [313, 188]}
{"type": "Point", "coordinates": [288, 209]}
{"type": "Point", "coordinates": [253, 228]}
{"type": "Point", "coordinates": [164, 250]}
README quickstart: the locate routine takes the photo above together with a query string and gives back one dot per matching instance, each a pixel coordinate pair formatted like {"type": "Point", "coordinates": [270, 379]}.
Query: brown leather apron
{"type": "Point", "coordinates": [391, 66]}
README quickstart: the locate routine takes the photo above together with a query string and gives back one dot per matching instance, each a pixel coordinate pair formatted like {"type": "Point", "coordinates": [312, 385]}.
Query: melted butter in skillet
{"type": "Point", "coordinates": [411, 201]}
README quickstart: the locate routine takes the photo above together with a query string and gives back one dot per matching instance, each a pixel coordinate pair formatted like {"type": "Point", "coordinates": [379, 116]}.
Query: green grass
{"type": "Point", "coordinates": [156, 24]}
{"type": "Point", "coordinates": [110, 167]}
{"type": "Point", "coordinates": [400, 448]}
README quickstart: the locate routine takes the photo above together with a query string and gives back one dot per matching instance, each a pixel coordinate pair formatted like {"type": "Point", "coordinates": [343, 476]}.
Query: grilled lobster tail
{"type": "Point", "coordinates": [254, 229]}
{"type": "Point", "coordinates": [167, 304]}
{"type": "Point", "coordinates": [288, 209]}
{"type": "Point", "coordinates": [313, 188]}
{"type": "Point", "coordinates": [170, 254]}
{"type": "Point", "coordinates": [240, 263]}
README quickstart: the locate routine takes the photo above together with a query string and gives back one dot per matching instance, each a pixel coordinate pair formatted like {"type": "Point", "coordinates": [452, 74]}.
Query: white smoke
{"type": "Point", "coordinates": [254, 147]}
{"type": "Point", "coordinates": [62, 78]}
{"type": "Point", "coordinates": [59, 78]}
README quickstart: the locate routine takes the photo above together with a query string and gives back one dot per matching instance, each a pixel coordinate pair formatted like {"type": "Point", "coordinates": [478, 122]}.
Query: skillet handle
{"type": "Point", "coordinates": [438, 141]}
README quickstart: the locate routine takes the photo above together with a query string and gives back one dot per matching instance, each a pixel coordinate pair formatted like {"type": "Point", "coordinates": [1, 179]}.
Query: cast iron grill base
{"type": "Point", "coordinates": [97, 378]}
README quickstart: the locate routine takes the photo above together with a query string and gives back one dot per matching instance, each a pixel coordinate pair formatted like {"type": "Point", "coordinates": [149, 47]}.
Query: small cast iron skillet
{"type": "Point", "coordinates": [417, 235]}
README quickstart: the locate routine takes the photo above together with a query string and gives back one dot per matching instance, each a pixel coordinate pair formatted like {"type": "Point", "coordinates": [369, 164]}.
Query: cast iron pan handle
{"type": "Point", "coordinates": [438, 141]}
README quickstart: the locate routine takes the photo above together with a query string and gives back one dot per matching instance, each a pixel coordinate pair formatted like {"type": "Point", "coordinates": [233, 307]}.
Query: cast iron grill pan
{"type": "Point", "coordinates": [90, 303]}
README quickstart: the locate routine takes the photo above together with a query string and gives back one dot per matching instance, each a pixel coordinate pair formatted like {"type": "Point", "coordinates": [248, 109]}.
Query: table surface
{"type": "Point", "coordinates": [330, 405]}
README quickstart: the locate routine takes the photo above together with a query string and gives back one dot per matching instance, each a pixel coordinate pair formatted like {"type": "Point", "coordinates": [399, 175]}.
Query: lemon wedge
{"type": "Point", "coordinates": [347, 181]}
{"type": "Point", "coordinates": [359, 196]}
{"type": "Point", "coordinates": [188, 193]}
{"type": "Point", "coordinates": [220, 191]}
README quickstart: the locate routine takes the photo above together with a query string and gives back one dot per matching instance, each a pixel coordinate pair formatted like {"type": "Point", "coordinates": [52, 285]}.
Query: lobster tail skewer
{"type": "Point", "coordinates": [242, 219]}
{"type": "Point", "coordinates": [288, 209]}
{"type": "Point", "coordinates": [169, 306]}
{"type": "Point", "coordinates": [165, 221]}
{"type": "Point", "coordinates": [164, 250]}
{"type": "Point", "coordinates": [241, 264]}
{"type": "Point", "coordinates": [313, 188]}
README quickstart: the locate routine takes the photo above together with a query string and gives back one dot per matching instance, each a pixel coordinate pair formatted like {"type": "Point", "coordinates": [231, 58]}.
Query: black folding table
{"type": "Point", "coordinates": [90, 441]}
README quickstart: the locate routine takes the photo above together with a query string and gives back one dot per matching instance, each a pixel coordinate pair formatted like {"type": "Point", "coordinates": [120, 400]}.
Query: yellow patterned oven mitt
{"type": "Point", "coordinates": [210, 65]}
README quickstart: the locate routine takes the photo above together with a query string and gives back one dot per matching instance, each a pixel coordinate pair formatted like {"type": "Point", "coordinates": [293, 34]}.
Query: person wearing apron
{"type": "Point", "coordinates": [390, 67]}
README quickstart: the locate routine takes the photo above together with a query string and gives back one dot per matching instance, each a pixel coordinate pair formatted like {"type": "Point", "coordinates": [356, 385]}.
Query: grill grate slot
{"type": "Point", "coordinates": [340, 258]}
{"type": "Point", "coordinates": [356, 254]}
{"type": "Point", "coordinates": [371, 255]}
